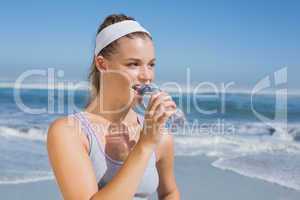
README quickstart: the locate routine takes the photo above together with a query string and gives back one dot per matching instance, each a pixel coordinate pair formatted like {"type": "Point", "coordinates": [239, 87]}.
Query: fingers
{"type": "Point", "coordinates": [164, 111]}
{"type": "Point", "coordinates": [152, 99]}
{"type": "Point", "coordinates": [160, 108]}
{"type": "Point", "coordinates": [162, 117]}
{"type": "Point", "coordinates": [165, 106]}
{"type": "Point", "coordinates": [160, 101]}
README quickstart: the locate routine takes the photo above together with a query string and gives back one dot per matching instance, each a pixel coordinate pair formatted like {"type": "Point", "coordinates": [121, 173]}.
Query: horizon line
{"type": "Point", "coordinates": [184, 89]}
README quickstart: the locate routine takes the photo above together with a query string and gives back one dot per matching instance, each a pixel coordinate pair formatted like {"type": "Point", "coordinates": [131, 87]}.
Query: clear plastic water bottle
{"type": "Point", "coordinates": [175, 121]}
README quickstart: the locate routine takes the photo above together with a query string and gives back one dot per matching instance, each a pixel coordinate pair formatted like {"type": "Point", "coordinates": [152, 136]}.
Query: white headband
{"type": "Point", "coordinates": [115, 31]}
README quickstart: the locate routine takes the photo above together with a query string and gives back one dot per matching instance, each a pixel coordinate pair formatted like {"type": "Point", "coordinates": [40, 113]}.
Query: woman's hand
{"type": "Point", "coordinates": [160, 108]}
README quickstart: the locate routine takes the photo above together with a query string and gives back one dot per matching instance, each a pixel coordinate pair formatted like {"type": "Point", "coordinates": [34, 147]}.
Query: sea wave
{"type": "Point", "coordinates": [33, 134]}
{"type": "Point", "coordinates": [38, 176]}
{"type": "Point", "coordinates": [265, 156]}
{"type": "Point", "coordinates": [282, 169]}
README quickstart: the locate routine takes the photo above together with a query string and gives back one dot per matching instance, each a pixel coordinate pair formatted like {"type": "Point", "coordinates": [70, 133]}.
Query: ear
{"type": "Point", "coordinates": [101, 63]}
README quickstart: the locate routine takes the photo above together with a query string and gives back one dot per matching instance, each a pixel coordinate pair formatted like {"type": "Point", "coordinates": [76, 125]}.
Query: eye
{"type": "Point", "coordinates": [132, 65]}
{"type": "Point", "coordinates": [152, 65]}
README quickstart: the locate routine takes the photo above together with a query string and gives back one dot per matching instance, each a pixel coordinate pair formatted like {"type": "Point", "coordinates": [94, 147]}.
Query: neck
{"type": "Point", "coordinates": [108, 110]}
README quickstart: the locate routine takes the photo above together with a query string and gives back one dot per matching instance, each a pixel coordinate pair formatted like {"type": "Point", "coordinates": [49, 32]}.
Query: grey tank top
{"type": "Point", "coordinates": [105, 167]}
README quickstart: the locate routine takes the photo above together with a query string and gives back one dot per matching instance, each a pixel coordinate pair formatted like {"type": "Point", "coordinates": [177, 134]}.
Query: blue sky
{"type": "Point", "coordinates": [220, 41]}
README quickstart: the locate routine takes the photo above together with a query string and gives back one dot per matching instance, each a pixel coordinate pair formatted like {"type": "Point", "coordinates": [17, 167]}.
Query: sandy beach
{"type": "Point", "coordinates": [202, 181]}
{"type": "Point", "coordinates": [196, 178]}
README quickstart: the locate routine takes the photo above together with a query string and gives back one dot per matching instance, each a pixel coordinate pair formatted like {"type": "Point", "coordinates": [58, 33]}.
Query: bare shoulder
{"type": "Point", "coordinates": [62, 124]}
{"type": "Point", "coordinates": [69, 160]}
{"type": "Point", "coordinates": [63, 129]}
{"type": "Point", "coordinates": [165, 147]}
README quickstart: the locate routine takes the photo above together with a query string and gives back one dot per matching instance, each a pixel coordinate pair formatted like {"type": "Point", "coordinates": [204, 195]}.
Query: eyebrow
{"type": "Point", "coordinates": [138, 60]}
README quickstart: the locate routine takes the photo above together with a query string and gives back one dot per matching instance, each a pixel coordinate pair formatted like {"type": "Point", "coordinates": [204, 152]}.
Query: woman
{"type": "Point", "coordinates": [127, 157]}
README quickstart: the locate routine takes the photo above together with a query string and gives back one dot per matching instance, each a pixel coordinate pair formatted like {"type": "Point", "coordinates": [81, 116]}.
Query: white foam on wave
{"type": "Point", "coordinates": [246, 138]}
{"type": "Point", "coordinates": [280, 169]}
{"type": "Point", "coordinates": [241, 153]}
{"type": "Point", "coordinates": [30, 134]}
{"type": "Point", "coordinates": [19, 180]}
{"type": "Point", "coordinates": [227, 147]}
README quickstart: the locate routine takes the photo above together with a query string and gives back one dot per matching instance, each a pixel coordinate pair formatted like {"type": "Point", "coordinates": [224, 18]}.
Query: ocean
{"type": "Point", "coordinates": [223, 127]}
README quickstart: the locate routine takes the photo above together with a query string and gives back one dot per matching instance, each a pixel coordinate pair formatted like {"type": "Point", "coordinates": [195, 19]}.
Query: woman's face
{"type": "Point", "coordinates": [132, 64]}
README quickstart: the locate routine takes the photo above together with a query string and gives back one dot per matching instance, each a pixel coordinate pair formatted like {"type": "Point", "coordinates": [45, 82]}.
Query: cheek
{"type": "Point", "coordinates": [153, 73]}
{"type": "Point", "coordinates": [134, 73]}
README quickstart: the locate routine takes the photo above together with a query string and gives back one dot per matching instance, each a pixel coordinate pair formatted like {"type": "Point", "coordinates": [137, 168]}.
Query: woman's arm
{"type": "Point", "coordinates": [167, 189]}
{"type": "Point", "coordinates": [74, 172]}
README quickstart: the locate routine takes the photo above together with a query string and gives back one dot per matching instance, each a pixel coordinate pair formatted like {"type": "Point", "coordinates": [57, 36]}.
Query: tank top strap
{"type": "Point", "coordinates": [140, 119]}
{"type": "Point", "coordinates": [85, 128]}
{"type": "Point", "coordinates": [94, 138]}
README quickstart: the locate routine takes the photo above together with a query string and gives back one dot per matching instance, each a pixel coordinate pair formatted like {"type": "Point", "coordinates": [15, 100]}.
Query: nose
{"type": "Point", "coordinates": [145, 75]}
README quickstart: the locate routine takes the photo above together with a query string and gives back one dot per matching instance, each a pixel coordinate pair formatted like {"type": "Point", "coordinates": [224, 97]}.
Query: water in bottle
{"type": "Point", "coordinates": [175, 121]}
